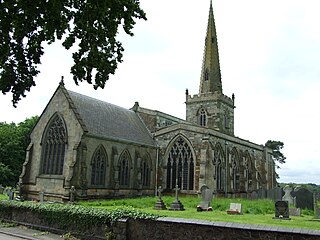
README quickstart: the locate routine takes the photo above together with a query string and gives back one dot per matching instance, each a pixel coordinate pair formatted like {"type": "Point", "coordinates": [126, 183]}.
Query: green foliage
{"type": "Point", "coordinates": [89, 24]}
{"type": "Point", "coordinates": [71, 215]}
{"type": "Point", "coordinates": [276, 147]}
{"type": "Point", "coordinates": [14, 140]}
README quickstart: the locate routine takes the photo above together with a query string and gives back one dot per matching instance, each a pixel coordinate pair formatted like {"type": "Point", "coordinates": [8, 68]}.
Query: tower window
{"type": "Point", "coordinates": [203, 118]}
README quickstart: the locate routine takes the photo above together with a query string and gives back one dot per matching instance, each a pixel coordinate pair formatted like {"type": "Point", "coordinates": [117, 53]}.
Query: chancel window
{"type": "Point", "coordinates": [247, 171]}
{"type": "Point", "coordinates": [98, 166]}
{"type": "Point", "coordinates": [124, 173]}
{"type": "Point", "coordinates": [180, 166]}
{"type": "Point", "coordinates": [145, 171]}
{"type": "Point", "coordinates": [54, 145]}
{"type": "Point", "coordinates": [203, 118]}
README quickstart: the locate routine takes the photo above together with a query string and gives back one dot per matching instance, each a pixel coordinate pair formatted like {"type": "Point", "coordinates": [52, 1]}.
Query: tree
{"type": "Point", "coordinates": [91, 25]}
{"type": "Point", "coordinates": [14, 139]}
{"type": "Point", "coordinates": [276, 147]}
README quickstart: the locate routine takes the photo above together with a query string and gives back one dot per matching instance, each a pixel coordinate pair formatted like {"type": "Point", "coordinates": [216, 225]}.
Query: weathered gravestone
{"type": "Point", "coordinates": [275, 194]}
{"type": "Point", "coordinates": [262, 193]}
{"type": "Point", "coordinates": [160, 205]}
{"type": "Point", "coordinates": [1, 189]}
{"type": "Point", "coordinates": [303, 198]}
{"type": "Point", "coordinates": [295, 212]}
{"type": "Point", "coordinates": [10, 194]}
{"type": "Point", "coordinates": [41, 197]}
{"type": "Point", "coordinates": [72, 193]}
{"type": "Point", "coordinates": [235, 208]}
{"type": "Point", "coordinates": [287, 195]}
{"type": "Point", "coordinates": [254, 195]}
{"type": "Point", "coordinates": [281, 210]}
{"type": "Point", "coordinates": [176, 205]}
{"type": "Point", "coordinates": [317, 205]}
{"type": "Point", "coordinates": [206, 198]}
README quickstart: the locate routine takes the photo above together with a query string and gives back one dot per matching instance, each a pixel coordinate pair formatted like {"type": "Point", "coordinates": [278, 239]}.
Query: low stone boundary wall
{"type": "Point", "coordinates": [168, 228]}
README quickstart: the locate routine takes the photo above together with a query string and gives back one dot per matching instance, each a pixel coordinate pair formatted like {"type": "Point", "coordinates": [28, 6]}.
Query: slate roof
{"type": "Point", "coordinates": [106, 120]}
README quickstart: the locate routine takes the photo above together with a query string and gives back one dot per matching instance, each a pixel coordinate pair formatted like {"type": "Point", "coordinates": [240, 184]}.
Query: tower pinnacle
{"type": "Point", "coordinates": [210, 81]}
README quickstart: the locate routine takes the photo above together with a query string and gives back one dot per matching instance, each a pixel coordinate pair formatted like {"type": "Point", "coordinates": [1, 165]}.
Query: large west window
{"type": "Point", "coordinates": [180, 166]}
{"type": "Point", "coordinates": [54, 146]}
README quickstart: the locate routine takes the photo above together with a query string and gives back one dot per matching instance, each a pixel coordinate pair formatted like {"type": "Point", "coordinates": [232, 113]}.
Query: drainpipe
{"type": "Point", "coordinates": [226, 171]}
{"type": "Point", "coordinates": [157, 162]}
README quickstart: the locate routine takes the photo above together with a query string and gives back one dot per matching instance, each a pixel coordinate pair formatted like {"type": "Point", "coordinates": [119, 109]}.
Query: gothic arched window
{"type": "Point", "coordinates": [180, 166]}
{"type": "Point", "coordinates": [98, 167]}
{"type": "Point", "coordinates": [145, 171]}
{"type": "Point", "coordinates": [203, 118]}
{"type": "Point", "coordinates": [247, 171]}
{"type": "Point", "coordinates": [218, 162]}
{"type": "Point", "coordinates": [235, 175]}
{"type": "Point", "coordinates": [124, 169]}
{"type": "Point", "coordinates": [206, 75]}
{"type": "Point", "coordinates": [54, 145]}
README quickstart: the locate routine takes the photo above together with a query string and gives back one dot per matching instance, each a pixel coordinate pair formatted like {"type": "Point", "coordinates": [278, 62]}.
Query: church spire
{"type": "Point", "coordinates": [210, 73]}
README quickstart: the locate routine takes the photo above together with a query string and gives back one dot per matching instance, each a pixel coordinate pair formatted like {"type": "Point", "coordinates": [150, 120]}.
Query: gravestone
{"type": "Point", "coordinates": [1, 189]}
{"type": "Point", "coordinates": [254, 195]}
{"type": "Point", "coordinates": [160, 205]}
{"type": "Point", "coordinates": [176, 205]}
{"type": "Point", "coordinates": [287, 195]}
{"type": "Point", "coordinates": [262, 193]}
{"type": "Point", "coordinates": [41, 197]}
{"type": "Point", "coordinates": [304, 198]}
{"type": "Point", "coordinates": [206, 198]}
{"type": "Point", "coordinates": [10, 194]}
{"type": "Point", "coordinates": [295, 212]}
{"type": "Point", "coordinates": [275, 194]}
{"type": "Point", "coordinates": [235, 208]}
{"type": "Point", "coordinates": [281, 210]}
{"type": "Point", "coordinates": [317, 205]}
{"type": "Point", "coordinates": [72, 196]}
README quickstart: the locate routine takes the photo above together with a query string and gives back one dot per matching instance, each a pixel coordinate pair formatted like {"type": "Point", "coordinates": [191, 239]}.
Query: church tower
{"type": "Point", "coordinates": [211, 108]}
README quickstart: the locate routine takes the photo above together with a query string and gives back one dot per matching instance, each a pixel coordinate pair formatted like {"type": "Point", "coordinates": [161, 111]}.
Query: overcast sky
{"type": "Point", "coordinates": [269, 57]}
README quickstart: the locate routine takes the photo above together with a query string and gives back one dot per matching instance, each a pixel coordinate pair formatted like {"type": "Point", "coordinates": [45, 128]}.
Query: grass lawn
{"type": "Point", "coordinates": [254, 211]}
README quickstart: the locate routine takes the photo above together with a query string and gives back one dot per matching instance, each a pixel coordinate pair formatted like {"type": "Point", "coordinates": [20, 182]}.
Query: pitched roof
{"type": "Point", "coordinates": [106, 120]}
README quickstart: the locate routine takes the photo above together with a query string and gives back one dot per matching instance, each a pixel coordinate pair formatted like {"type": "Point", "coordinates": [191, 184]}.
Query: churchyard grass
{"type": "Point", "coordinates": [3, 197]}
{"type": "Point", "coordinates": [254, 211]}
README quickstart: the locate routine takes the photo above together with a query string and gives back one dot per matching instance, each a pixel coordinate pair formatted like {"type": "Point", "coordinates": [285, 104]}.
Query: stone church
{"type": "Point", "coordinates": [107, 151]}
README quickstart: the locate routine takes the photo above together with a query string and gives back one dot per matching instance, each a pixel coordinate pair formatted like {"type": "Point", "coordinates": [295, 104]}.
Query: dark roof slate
{"type": "Point", "coordinates": [110, 121]}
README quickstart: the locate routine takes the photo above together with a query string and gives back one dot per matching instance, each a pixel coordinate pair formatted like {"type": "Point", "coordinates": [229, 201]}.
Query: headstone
{"type": "Point", "coordinates": [304, 198]}
{"type": "Point", "coordinates": [206, 198]}
{"type": "Point", "coordinates": [275, 194]}
{"type": "Point", "coordinates": [282, 210]}
{"type": "Point", "coordinates": [1, 189]}
{"type": "Point", "coordinates": [262, 193]}
{"type": "Point", "coordinates": [176, 205]}
{"type": "Point", "coordinates": [317, 205]}
{"type": "Point", "coordinates": [254, 195]}
{"type": "Point", "coordinates": [287, 195]}
{"type": "Point", "coordinates": [235, 208]}
{"type": "Point", "coordinates": [41, 196]}
{"type": "Point", "coordinates": [10, 194]}
{"type": "Point", "coordinates": [295, 212]}
{"type": "Point", "coordinates": [72, 194]}
{"type": "Point", "coordinates": [160, 205]}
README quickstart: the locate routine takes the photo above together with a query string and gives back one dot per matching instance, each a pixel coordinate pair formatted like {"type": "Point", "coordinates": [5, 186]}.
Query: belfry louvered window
{"type": "Point", "coordinates": [54, 145]}
{"type": "Point", "coordinates": [203, 118]}
{"type": "Point", "coordinates": [98, 167]}
{"type": "Point", "coordinates": [180, 166]}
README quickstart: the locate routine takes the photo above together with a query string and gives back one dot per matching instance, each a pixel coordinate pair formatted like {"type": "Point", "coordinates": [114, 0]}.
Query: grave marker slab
{"type": "Point", "coordinates": [281, 210]}
{"type": "Point", "coordinates": [295, 212]}
{"type": "Point", "coordinates": [176, 205]}
{"type": "Point", "coordinates": [41, 197]}
{"type": "Point", "coordinates": [235, 208]}
{"type": "Point", "coordinates": [287, 195]}
{"type": "Point", "coordinates": [160, 205]}
{"type": "Point", "coordinates": [206, 198]}
{"type": "Point", "coordinates": [304, 198]}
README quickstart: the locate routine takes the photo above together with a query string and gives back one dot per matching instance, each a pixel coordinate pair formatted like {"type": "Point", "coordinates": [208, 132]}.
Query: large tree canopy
{"type": "Point", "coordinates": [92, 25]}
{"type": "Point", "coordinates": [276, 147]}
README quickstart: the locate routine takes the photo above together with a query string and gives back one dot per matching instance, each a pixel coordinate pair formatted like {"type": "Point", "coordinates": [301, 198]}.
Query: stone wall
{"type": "Point", "coordinates": [164, 228]}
